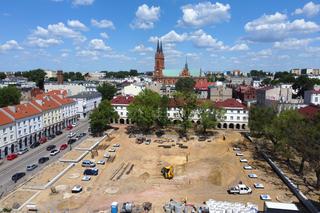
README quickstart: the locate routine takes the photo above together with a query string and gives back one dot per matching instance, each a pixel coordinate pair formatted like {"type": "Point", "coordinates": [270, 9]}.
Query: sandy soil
{"type": "Point", "coordinates": [88, 143]}
{"type": "Point", "coordinates": [19, 197]}
{"type": "Point", "coordinates": [73, 155]}
{"type": "Point", "coordinates": [203, 171]}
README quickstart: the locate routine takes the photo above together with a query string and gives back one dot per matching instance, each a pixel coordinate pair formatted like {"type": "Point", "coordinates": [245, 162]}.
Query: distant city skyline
{"type": "Point", "coordinates": [96, 35]}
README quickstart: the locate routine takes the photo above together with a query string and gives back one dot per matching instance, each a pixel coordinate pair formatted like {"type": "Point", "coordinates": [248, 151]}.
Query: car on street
{"type": "Point", "coordinates": [50, 137]}
{"type": "Point", "coordinates": [112, 150]}
{"type": "Point", "coordinates": [17, 176]}
{"type": "Point", "coordinates": [72, 140]}
{"type": "Point", "coordinates": [101, 162]}
{"type": "Point", "coordinates": [43, 160]}
{"type": "Point", "coordinates": [58, 132]}
{"type": "Point", "coordinates": [82, 134]}
{"type": "Point", "coordinates": [54, 152]}
{"type": "Point", "coordinates": [76, 189]}
{"type": "Point", "coordinates": [22, 151]}
{"type": "Point", "coordinates": [252, 175]}
{"type": "Point", "coordinates": [34, 145]}
{"type": "Point", "coordinates": [116, 145]}
{"type": "Point", "coordinates": [93, 171]}
{"type": "Point", "coordinates": [31, 167]}
{"type": "Point", "coordinates": [86, 178]}
{"type": "Point", "coordinates": [243, 160]}
{"type": "Point", "coordinates": [88, 163]}
{"type": "Point", "coordinates": [69, 127]}
{"type": "Point", "coordinates": [71, 135]}
{"type": "Point", "coordinates": [247, 167]}
{"type": "Point", "coordinates": [43, 140]}
{"type": "Point", "coordinates": [74, 124]}
{"type": "Point", "coordinates": [239, 154]}
{"type": "Point", "coordinates": [51, 147]}
{"type": "Point", "coordinates": [12, 156]}
{"type": "Point", "coordinates": [63, 146]}
{"type": "Point", "coordinates": [236, 149]}
{"type": "Point", "coordinates": [106, 155]}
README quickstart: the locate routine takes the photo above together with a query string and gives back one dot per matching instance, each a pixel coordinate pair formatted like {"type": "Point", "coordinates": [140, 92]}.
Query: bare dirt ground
{"type": "Point", "coordinates": [73, 155]}
{"type": "Point", "coordinates": [17, 197]}
{"type": "Point", "coordinates": [205, 170]}
{"type": "Point", "coordinates": [88, 143]}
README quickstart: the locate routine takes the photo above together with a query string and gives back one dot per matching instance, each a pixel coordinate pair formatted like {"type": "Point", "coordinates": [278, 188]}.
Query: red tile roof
{"type": "Point", "coordinates": [122, 100]}
{"type": "Point", "coordinates": [45, 102]}
{"type": "Point", "coordinates": [4, 119]}
{"type": "Point", "coordinates": [58, 92]}
{"type": "Point", "coordinates": [62, 100]}
{"type": "Point", "coordinates": [203, 85]}
{"type": "Point", "coordinates": [309, 111]}
{"type": "Point", "coordinates": [230, 103]}
{"type": "Point", "coordinates": [22, 110]}
{"type": "Point", "coordinates": [315, 91]}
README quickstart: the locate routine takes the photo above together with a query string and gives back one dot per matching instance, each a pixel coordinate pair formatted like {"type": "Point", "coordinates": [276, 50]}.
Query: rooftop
{"type": "Point", "coordinates": [230, 103]}
{"type": "Point", "coordinates": [122, 100]}
{"type": "Point", "coordinates": [4, 119]}
{"type": "Point", "coordinates": [22, 110]}
{"type": "Point", "coordinates": [309, 111]}
{"type": "Point", "coordinates": [87, 95]}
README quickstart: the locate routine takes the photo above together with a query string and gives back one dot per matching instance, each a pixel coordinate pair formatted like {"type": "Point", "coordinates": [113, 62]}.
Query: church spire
{"type": "Point", "coordinates": [186, 65]}
{"type": "Point", "coordinates": [161, 47]}
{"type": "Point", "coordinates": [158, 47]}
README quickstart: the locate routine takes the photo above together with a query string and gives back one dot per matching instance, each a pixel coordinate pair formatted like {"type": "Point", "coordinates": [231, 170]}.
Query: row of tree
{"type": "Point", "coordinates": [9, 96]}
{"type": "Point", "coordinates": [121, 74]}
{"type": "Point", "coordinates": [292, 135]}
{"type": "Point", "coordinates": [36, 76]}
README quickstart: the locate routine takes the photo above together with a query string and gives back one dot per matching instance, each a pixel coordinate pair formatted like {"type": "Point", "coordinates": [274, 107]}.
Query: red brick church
{"type": "Point", "coordinates": [159, 67]}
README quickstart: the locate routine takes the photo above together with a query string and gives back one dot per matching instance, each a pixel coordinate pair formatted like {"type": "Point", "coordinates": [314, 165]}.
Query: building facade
{"type": "Point", "coordinates": [120, 105]}
{"type": "Point", "coordinates": [219, 92]}
{"type": "Point", "coordinates": [312, 97]}
{"type": "Point", "coordinates": [86, 102]}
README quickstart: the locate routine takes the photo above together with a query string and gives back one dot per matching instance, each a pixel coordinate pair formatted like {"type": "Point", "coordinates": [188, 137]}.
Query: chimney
{"type": "Point", "coordinates": [60, 77]}
{"type": "Point", "coordinates": [12, 108]}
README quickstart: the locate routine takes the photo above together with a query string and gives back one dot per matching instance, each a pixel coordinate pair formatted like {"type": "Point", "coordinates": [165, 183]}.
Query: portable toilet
{"type": "Point", "coordinates": [114, 207]}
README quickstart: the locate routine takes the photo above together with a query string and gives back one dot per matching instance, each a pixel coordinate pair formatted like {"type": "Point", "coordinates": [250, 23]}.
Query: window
{"type": "Point", "coordinates": [238, 118]}
{"type": "Point", "coordinates": [11, 128]}
{"type": "Point", "coordinates": [4, 131]}
{"type": "Point", "coordinates": [231, 117]}
{"type": "Point", "coordinates": [244, 118]}
{"type": "Point", "coordinates": [316, 99]}
{"type": "Point", "coordinates": [239, 112]}
{"type": "Point", "coordinates": [11, 137]}
{"type": "Point", "coordinates": [19, 132]}
{"type": "Point", "coordinates": [25, 130]}
{"type": "Point", "coordinates": [5, 139]}
{"type": "Point", "coordinates": [121, 113]}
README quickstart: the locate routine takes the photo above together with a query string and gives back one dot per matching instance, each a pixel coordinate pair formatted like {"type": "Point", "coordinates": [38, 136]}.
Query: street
{"type": "Point", "coordinates": [9, 168]}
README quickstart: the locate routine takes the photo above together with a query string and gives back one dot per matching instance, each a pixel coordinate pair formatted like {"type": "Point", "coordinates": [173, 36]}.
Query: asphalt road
{"type": "Point", "coordinates": [9, 168]}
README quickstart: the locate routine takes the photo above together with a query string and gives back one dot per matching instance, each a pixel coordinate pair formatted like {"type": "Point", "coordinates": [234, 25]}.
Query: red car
{"type": "Point", "coordinates": [69, 127]}
{"type": "Point", "coordinates": [63, 146]}
{"type": "Point", "coordinates": [12, 156]}
{"type": "Point", "coordinates": [43, 140]}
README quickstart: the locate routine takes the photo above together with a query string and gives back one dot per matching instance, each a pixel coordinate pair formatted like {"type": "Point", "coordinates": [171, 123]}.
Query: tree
{"type": "Point", "coordinates": [185, 85]}
{"type": "Point", "coordinates": [101, 117]}
{"type": "Point", "coordinates": [260, 118]}
{"type": "Point", "coordinates": [266, 82]}
{"type": "Point", "coordinates": [303, 83]}
{"type": "Point", "coordinates": [144, 110]}
{"type": "Point", "coordinates": [2, 75]}
{"type": "Point", "coordinates": [257, 73]}
{"type": "Point", "coordinates": [187, 103]}
{"type": "Point", "coordinates": [107, 91]}
{"type": "Point", "coordinates": [9, 96]}
{"type": "Point", "coordinates": [209, 115]}
{"type": "Point", "coordinates": [36, 75]}
{"type": "Point", "coordinates": [163, 120]}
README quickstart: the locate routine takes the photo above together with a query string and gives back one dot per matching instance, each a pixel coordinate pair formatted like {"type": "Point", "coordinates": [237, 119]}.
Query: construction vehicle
{"type": "Point", "coordinates": [167, 172]}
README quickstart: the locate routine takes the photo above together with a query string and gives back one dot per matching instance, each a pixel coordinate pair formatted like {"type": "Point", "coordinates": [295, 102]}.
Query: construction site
{"type": "Point", "coordinates": [151, 171]}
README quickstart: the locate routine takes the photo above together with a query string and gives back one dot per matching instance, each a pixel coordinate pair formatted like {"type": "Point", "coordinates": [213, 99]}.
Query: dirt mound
{"type": "Point", "coordinates": [215, 177]}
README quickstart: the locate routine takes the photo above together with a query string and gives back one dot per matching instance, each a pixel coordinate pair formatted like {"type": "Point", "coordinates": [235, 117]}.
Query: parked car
{"type": "Point", "coordinates": [236, 149]}
{"type": "Point", "coordinates": [43, 160]}
{"type": "Point", "coordinates": [116, 145]}
{"type": "Point", "coordinates": [101, 162]}
{"type": "Point", "coordinates": [252, 175]}
{"type": "Point", "coordinates": [72, 140]}
{"type": "Point", "coordinates": [18, 176]}
{"type": "Point", "coordinates": [112, 150]}
{"type": "Point", "coordinates": [54, 152]}
{"type": "Point", "coordinates": [58, 132]}
{"type": "Point", "coordinates": [93, 171]}
{"type": "Point", "coordinates": [22, 151]}
{"type": "Point", "coordinates": [243, 160]}
{"type": "Point", "coordinates": [239, 154]}
{"type": "Point", "coordinates": [106, 155]}
{"type": "Point", "coordinates": [88, 163]}
{"type": "Point", "coordinates": [247, 167]}
{"type": "Point", "coordinates": [71, 135]}
{"type": "Point", "coordinates": [43, 140]}
{"type": "Point", "coordinates": [202, 138]}
{"type": "Point", "coordinates": [82, 134]}
{"type": "Point", "coordinates": [76, 189]}
{"type": "Point", "coordinates": [51, 147]}
{"type": "Point", "coordinates": [258, 185]}
{"type": "Point", "coordinates": [240, 189]}
{"type": "Point", "coordinates": [32, 167]}
{"type": "Point", "coordinates": [51, 137]}
{"type": "Point", "coordinates": [34, 145]}
{"type": "Point", "coordinates": [86, 178]}
{"type": "Point", "coordinates": [69, 127]}
{"type": "Point", "coordinates": [63, 146]}
{"type": "Point", "coordinates": [74, 124]}
{"type": "Point", "coordinates": [12, 156]}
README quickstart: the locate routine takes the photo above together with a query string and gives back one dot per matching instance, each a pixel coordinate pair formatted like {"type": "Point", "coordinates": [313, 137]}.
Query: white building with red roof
{"type": "Point", "coordinates": [120, 105]}
{"type": "Point", "coordinates": [312, 97]}
{"type": "Point", "coordinates": [7, 132]}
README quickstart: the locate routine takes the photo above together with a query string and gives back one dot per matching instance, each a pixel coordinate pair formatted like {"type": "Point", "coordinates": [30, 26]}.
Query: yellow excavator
{"type": "Point", "coordinates": [167, 172]}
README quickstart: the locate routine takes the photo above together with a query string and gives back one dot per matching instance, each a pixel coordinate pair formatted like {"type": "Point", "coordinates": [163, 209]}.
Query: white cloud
{"type": "Point", "coordinates": [98, 44]}
{"type": "Point", "coordinates": [145, 17]}
{"type": "Point", "coordinates": [142, 49]}
{"type": "Point", "coordinates": [170, 37]}
{"type": "Point", "coordinates": [87, 53]}
{"type": "Point", "coordinates": [64, 55]}
{"type": "Point", "coordinates": [82, 2]}
{"type": "Point", "coordinates": [76, 24]}
{"type": "Point", "coordinates": [276, 27]}
{"type": "Point", "coordinates": [204, 40]}
{"type": "Point", "coordinates": [10, 45]}
{"type": "Point", "coordinates": [104, 35]}
{"type": "Point", "coordinates": [104, 23]}
{"type": "Point", "coordinates": [39, 42]}
{"type": "Point", "coordinates": [310, 9]}
{"type": "Point", "coordinates": [204, 13]}
{"type": "Point", "coordinates": [239, 47]}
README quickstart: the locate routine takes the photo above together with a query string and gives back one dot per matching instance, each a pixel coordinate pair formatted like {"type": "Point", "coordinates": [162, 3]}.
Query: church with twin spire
{"type": "Point", "coordinates": [159, 67]}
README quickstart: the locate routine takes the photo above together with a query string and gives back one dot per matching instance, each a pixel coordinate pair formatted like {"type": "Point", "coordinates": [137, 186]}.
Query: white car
{"type": "Point", "coordinates": [116, 145]}
{"type": "Point", "coordinates": [247, 167]}
{"type": "Point", "coordinates": [86, 178]}
{"type": "Point", "coordinates": [236, 149]}
{"type": "Point", "coordinates": [101, 162]}
{"type": "Point", "coordinates": [243, 160]}
{"type": "Point", "coordinates": [239, 154]}
{"type": "Point", "coordinates": [71, 134]}
{"type": "Point", "coordinates": [76, 189]}
{"type": "Point", "coordinates": [74, 124]}
{"type": "Point", "coordinates": [112, 150]}
{"type": "Point", "coordinates": [252, 175]}
{"type": "Point", "coordinates": [22, 151]}
{"type": "Point", "coordinates": [54, 152]}
{"type": "Point", "coordinates": [258, 185]}
{"type": "Point", "coordinates": [106, 155]}
{"type": "Point", "coordinates": [265, 197]}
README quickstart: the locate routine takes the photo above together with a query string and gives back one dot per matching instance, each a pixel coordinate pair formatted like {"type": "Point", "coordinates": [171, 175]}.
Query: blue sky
{"type": "Point", "coordinates": [93, 35]}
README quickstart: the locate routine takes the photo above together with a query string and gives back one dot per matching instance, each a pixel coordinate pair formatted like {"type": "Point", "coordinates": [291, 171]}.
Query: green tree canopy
{"type": "Point", "coordinates": [163, 119]}
{"type": "Point", "coordinates": [36, 75]}
{"type": "Point", "coordinates": [107, 91]}
{"type": "Point", "coordinates": [9, 96]}
{"type": "Point", "coordinates": [2, 75]}
{"type": "Point", "coordinates": [185, 85]}
{"type": "Point", "coordinates": [209, 115]}
{"type": "Point", "coordinates": [260, 118]}
{"type": "Point", "coordinates": [144, 110]}
{"type": "Point", "coordinates": [303, 83]}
